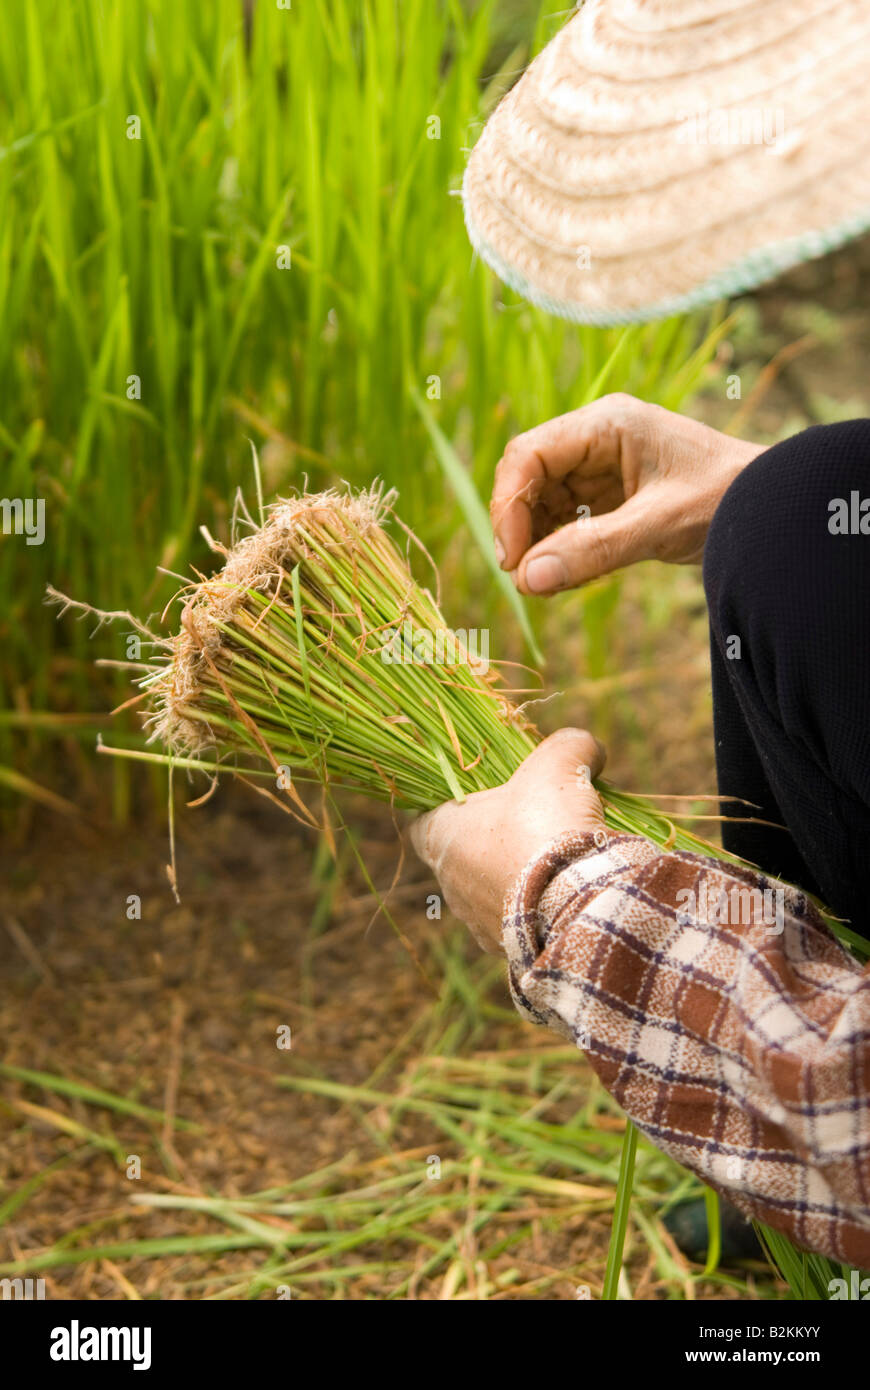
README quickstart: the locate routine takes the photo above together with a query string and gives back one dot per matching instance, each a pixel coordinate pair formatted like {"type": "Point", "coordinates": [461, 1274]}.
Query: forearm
{"type": "Point", "coordinates": [739, 1046]}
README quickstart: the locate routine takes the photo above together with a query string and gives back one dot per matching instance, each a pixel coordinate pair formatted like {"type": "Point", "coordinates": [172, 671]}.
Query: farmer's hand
{"type": "Point", "coordinates": [601, 487]}
{"type": "Point", "coordinates": [479, 847]}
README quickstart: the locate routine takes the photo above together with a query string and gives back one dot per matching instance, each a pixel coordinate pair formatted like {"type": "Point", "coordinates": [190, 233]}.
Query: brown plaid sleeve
{"type": "Point", "coordinates": [720, 1012]}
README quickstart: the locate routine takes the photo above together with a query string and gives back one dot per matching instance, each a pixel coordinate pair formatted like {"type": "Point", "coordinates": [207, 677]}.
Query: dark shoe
{"type": "Point", "coordinates": [687, 1223]}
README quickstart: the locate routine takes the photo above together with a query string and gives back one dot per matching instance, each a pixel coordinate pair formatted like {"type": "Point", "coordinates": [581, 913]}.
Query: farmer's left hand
{"type": "Point", "coordinates": [478, 848]}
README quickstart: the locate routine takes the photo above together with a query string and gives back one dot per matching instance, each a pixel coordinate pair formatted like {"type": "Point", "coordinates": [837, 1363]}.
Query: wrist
{"type": "Point", "coordinates": [739, 454]}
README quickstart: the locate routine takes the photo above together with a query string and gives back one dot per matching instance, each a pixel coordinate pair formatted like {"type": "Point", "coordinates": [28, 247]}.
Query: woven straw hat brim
{"type": "Point", "coordinates": [659, 154]}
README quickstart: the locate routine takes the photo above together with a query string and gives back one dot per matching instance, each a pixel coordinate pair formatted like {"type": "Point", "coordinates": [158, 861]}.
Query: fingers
{"type": "Point", "coordinates": [443, 839]}
{"type": "Point", "coordinates": [434, 831]}
{"type": "Point", "coordinates": [585, 438]}
{"type": "Point", "coordinates": [477, 849]}
{"type": "Point", "coordinates": [425, 836]}
{"type": "Point", "coordinates": [557, 759]}
{"type": "Point", "coordinates": [555, 764]}
{"type": "Point", "coordinates": [588, 548]}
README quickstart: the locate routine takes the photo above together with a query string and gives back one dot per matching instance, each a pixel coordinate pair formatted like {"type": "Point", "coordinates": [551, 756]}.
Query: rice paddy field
{"type": "Point", "coordinates": [235, 224]}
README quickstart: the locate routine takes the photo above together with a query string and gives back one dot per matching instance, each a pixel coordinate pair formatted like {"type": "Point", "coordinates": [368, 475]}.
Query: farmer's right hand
{"type": "Point", "coordinates": [616, 481]}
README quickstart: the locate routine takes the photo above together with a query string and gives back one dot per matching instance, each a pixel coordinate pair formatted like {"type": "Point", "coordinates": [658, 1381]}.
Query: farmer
{"type": "Point", "coordinates": [712, 1002]}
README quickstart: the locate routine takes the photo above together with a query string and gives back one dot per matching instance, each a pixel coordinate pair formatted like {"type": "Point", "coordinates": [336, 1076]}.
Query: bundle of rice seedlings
{"type": "Point", "coordinates": [314, 651]}
{"type": "Point", "coordinates": [314, 656]}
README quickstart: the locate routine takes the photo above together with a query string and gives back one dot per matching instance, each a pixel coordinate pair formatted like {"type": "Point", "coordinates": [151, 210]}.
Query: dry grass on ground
{"type": "Point", "coordinates": [179, 1012]}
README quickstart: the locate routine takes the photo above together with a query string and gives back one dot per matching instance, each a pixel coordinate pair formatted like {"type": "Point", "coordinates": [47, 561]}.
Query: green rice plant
{"type": "Point", "coordinates": [622, 1204]}
{"type": "Point", "coordinates": [214, 214]}
{"type": "Point", "coordinates": [315, 657]}
{"type": "Point", "coordinates": [809, 1276]}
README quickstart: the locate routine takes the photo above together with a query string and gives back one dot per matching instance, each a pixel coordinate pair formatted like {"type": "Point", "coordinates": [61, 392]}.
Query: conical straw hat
{"type": "Point", "coordinates": [659, 154]}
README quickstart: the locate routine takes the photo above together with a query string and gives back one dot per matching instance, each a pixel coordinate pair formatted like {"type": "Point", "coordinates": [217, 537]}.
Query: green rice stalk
{"type": "Point", "coordinates": [621, 1207]}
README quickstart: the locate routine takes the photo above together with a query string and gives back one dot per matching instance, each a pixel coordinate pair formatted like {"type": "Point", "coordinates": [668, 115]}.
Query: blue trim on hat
{"type": "Point", "coordinates": [759, 265]}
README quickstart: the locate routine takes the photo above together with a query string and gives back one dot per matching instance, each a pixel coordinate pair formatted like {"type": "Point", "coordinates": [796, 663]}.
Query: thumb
{"type": "Point", "coordinates": [432, 833]}
{"type": "Point", "coordinates": [585, 549]}
{"type": "Point", "coordinates": [566, 761]}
